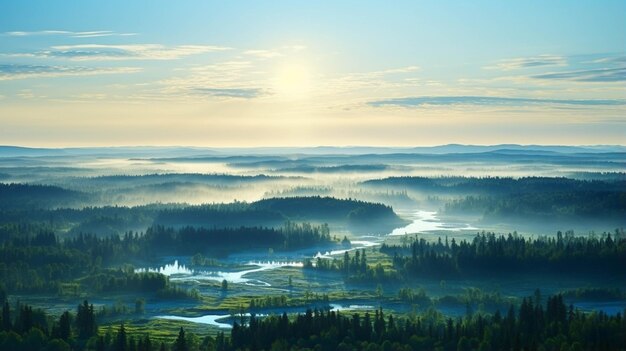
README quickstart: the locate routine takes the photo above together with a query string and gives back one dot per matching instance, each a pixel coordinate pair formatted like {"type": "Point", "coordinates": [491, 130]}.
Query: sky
{"type": "Point", "coordinates": [309, 73]}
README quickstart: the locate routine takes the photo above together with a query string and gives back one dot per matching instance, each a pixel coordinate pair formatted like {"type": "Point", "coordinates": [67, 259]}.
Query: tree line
{"type": "Point", "coordinates": [510, 254]}
{"type": "Point", "coordinates": [576, 205]}
{"type": "Point", "coordinates": [43, 263]}
{"type": "Point", "coordinates": [21, 206]}
{"type": "Point", "coordinates": [539, 198]}
{"type": "Point", "coordinates": [537, 324]}
{"type": "Point", "coordinates": [497, 185]}
{"type": "Point", "coordinates": [354, 268]}
{"type": "Point", "coordinates": [552, 326]}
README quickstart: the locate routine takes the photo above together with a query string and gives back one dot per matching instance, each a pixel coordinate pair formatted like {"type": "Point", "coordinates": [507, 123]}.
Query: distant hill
{"type": "Point", "coordinates": [178, 151]}
{"type": "Point", "coordinates": [330, 209]}
{"type": "Point", "coordinates": [19, 196]}
{"type": "Point", "coordinates": [274, 211]}
{"type": "Point", "coordinates": [131, 151]}
{"type": "Point", "coordinates": [17, 151]}
{"type": "Point", "coordinates": [458, 148]}
{"type": "Point", "coordinates": [494, 185]}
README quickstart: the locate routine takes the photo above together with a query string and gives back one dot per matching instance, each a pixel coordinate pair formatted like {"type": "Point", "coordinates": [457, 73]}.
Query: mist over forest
{"type": "Point", "coordinates": [312, 175]}
{"type": "Point", "coordinates": [206, 247]}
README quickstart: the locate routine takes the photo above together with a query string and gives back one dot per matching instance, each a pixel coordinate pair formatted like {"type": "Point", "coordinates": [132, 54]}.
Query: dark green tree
{"type": "Point", "coordinates": [121, 343]}
{"type": "Point", "coordinates": [6, 317]}
{"type": "Point", "coordinates": [181, 343]}
{"type": "Point", "coordinates": [86, 321]}
{"type": "Point", "coordinates": [65, 328]}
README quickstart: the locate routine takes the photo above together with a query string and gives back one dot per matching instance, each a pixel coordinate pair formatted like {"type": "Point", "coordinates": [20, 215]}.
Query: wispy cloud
{"type": "Point", "coordinates": [425, 101]}
{"type": "Point", "coordinates": [101, 52]}
{"type": "Point", "coordinates": [25, 94]}
{"type": "Point", "coordinates": [529, 62]}
{"type": "Point", "coordinates": [383, 79]}
{"type": "Point", "coordinates": [227, 74]}
{"type": "Point", "coordinates": [265, 54]}
{"type": "Point", "coordinates": [611, 59]}
{"type": "Point", "coordinates": [274, 52]}
{"type": "Point", "coordinates": [86, 34]}
{"type": "Point", "coordinates": [238, 79]}
{"type": "Point", "coordinates": [406, 69]}
{"type": "Point", "coordinates": [601, 75]}
{"type": "Point", "coordinates": [295, 47]}
{"type": "Point", "coordinates": [11, 72]}
{"type": "Point", "coordinates": [245, 93]}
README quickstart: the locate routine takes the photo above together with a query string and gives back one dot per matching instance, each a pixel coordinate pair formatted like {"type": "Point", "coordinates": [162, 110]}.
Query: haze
{"type": "Point", "coordinates": [312, 175]}
{"type": "Point", "coordinates": [318, 73]}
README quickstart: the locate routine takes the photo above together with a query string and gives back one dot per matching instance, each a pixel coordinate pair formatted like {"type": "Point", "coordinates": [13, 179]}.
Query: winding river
{"type": "Point", "coordinates": [425, 223]}
{"type": "Point", "coordinates": [428, 221]}
{"type": "Point", "coordinates": [421, 222]}
{"type": "Point", "coordinates": [214, 319]}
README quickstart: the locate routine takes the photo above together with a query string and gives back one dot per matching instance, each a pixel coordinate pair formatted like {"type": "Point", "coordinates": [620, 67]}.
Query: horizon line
{"type": "Point", "coordinates": [303, 147]}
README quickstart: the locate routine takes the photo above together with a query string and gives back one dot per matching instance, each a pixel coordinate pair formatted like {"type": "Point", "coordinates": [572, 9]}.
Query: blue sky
{"type": "Point", "coordinates": [281, 73]}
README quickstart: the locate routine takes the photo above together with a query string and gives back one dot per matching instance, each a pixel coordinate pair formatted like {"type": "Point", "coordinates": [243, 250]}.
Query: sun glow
{"type": "Point", "coordinates": [293, 81]}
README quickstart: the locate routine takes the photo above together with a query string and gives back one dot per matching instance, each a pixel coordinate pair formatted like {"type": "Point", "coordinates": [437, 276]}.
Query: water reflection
{"type": "Point", "coordinates": [428, 221]}
{"type": "Point", "coordinates": [178, 272]}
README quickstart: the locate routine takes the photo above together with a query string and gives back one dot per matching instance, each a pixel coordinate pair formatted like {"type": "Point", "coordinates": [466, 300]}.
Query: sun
{"type": "Point", "coordinates": [293, 81]}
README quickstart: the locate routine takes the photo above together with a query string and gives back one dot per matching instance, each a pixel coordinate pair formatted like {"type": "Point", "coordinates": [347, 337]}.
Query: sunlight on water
{"type": "Point", "coordinates": [213, 319]}
{"type": "Point", "coordinates": [422, 221]}
{"type": "Point", "coordinates": [168, 269]}
{"type": "Point", "coordinates": [210, 319]}
{"type": "Point", "coordinates": [427, 221]}
{"type": "Point", "coordinates": [356, 245]}
{"type": "Point", "coordinates": [178, 272]}
{"type": "Point", "coordinates": [339, 308]}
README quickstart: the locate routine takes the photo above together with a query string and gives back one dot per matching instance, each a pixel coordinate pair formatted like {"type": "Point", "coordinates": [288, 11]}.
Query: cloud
{"type": "Point", "coordinates": [88, 34]}
{"type": "Point", "coordinates": [237, 79]}
{"type": "Point", "coordinates": [100, 34]}
{"type": "Point", "coordinates": [26, 94]}
{"type": "Point", "coordinates": [295, 47]}
{"type": "Point", "coordinates": [603, 75]}
{"type": "Point", "coordinates": [276, 52]}
{"type": "Point", "coordinates": [244, 93]}
{"type": "Point", "coordinates": [100, 52]}
{"type": "Point", "coordinates": [392, 78]}
{"type": "Point", "coordinates": [265, 54]}
{"type": "Point", "coordinates": [406, 69]}
{"type": "Point", "coordinates": [228, 74]}
{"type": "Point", "coordinates": [529, 62]}
{"type": "Point", "coordinates": [611, 59]}
{"type": "Point", "coordinates": [425, 101]}
{"type": "Point", "coordinates": [12, 72]}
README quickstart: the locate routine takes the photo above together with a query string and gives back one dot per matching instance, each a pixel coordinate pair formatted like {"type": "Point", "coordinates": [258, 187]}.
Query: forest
{"type": "Point", "coordinates": [117, 220]}
{"type": "Point", "coordinates": [535, 325]}
{"type": "Point", "coordinates": [311, 251]}
{"type": "Point", "coordinates": [43, 263]}
{"type": "Point", "coordinates": [488, 254]}
{"type": "Point", "coordinates": [493, 254]}
{"type": "Point", "coordinates": [320, 175]}
{"type": "Point", "coordinates": [520, 199]}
